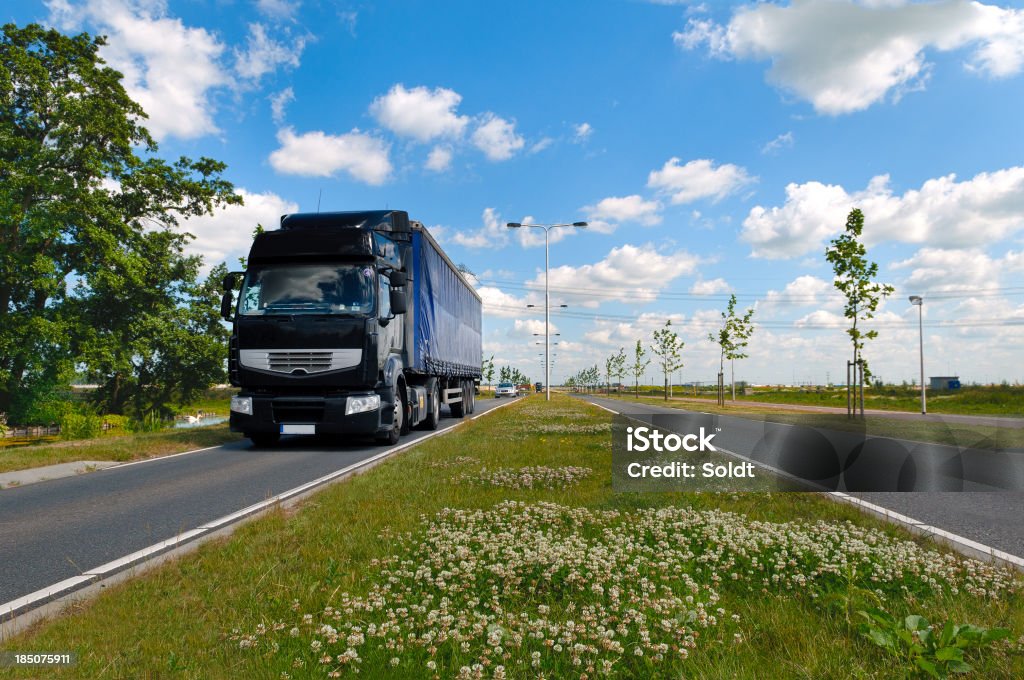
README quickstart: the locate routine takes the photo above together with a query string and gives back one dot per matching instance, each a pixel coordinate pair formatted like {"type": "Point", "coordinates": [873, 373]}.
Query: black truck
{"type": "Point", "coordinates": [350, 323]}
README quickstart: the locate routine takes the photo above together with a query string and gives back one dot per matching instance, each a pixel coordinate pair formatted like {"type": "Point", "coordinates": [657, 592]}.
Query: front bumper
{"type": "Point", "coordinates": [325, 414]}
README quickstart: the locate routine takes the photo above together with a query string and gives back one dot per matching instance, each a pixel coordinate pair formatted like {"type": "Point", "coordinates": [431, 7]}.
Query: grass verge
{"type": "Point", "coordinates": [119, 448]}
{"type": "Point", "coordinates": [993, 400]}
{"type": "Point", "coordinates": [500, 550]}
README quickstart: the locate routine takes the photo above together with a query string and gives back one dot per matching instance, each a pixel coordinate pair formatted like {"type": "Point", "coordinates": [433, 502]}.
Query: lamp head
{"type": "Point", "coordinates": [513, 225]}
{"type": "Point", "coordinates": [916, 300]}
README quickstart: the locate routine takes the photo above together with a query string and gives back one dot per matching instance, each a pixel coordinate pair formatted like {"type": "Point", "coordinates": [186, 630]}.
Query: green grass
{"type": "Point", "coordinates": [999, 400]}
{"type": "Point", "coordinates": [185, 618]}
{"type": "Point", "coordinates": [117, 444]}
{"type": "Point", "coordinates": [120, 448]}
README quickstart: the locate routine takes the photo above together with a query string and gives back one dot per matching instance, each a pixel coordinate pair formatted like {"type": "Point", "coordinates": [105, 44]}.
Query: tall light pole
{"type": "Point", "coordinates": [918, 301]}
{"type": "Point", "coordinates": [547, 296]}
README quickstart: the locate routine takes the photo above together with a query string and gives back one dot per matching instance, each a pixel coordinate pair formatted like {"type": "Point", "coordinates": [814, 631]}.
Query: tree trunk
{"type": "Point", "coordinates": [732, 377]}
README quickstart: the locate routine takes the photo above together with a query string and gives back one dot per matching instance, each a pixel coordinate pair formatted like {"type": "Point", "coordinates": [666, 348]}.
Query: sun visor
{"type": "Point", "coordinates": [279, 245]}
{"type": "Point", "coordinates": [395, 221]}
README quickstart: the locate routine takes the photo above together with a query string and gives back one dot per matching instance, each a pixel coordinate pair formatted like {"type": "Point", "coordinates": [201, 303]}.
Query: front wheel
{"type": "Point", "coordinates": [397, 421]}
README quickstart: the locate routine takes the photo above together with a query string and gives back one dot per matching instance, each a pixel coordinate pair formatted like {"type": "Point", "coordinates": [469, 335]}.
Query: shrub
{"type": "Point", "coordinates": [80, 425]}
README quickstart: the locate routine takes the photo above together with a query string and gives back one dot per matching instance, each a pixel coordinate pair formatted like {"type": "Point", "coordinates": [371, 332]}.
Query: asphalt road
{"type": "Point", "coordinates": [61, 528]}
{"type": "Point", "coordinates": [990, 516]}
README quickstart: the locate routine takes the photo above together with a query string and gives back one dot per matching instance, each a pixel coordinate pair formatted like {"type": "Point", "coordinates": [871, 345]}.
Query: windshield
{"type": "Point", "coordinates": [309, 289]}
{"type": "Point", "coordinates": [506, 385]}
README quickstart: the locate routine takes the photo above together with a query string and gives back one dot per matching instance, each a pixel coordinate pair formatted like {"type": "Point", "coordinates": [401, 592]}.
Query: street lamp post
{"type": "Point", "coordinates": [918, 301]}
{"type": "Point", "coordinates": [547, 296]}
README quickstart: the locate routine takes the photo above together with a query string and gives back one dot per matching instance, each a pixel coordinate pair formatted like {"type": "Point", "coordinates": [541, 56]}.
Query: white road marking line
{"type": "Point", "coordinates": [8, 608]}
{"type": "Point", "coordinates": [604, 407]}
{"type": "Point", "coordinates": [145, 552]}
{"type": "Point", "coordinates": [156, 458]}
{"type": "Point", "coordinates": [961, 544]}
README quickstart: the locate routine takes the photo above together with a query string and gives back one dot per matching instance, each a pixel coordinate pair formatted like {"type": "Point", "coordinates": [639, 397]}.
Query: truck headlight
{"type": "Point", "coordinates": [242, 405]}
{"type": "Point", "coordinates": [362, 404]}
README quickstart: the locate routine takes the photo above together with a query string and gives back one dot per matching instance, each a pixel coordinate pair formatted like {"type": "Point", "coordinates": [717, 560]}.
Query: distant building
{"type": "Point", "coordinates": [944, 382]}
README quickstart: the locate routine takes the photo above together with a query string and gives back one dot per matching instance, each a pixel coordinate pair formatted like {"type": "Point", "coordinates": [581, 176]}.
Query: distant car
{"type": "Point", "coordinates": [538, 387]}
{"type": "Point", "coordinates": [505, 390]}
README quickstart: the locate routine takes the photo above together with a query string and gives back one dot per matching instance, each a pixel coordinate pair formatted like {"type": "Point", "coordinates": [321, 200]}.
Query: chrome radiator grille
{"type": "Point", "coordinates": [299, 361]}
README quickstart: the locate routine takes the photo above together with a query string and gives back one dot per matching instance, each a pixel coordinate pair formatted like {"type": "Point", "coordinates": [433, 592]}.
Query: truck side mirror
{"type": "Point", "coordinates": [397, 278]}
{"type": "Point", "coordinates": [230, 280]}
{"type": "Point", "coordinates": [226, 303]}
{"type": "Point", "coordinates": [398, 301]}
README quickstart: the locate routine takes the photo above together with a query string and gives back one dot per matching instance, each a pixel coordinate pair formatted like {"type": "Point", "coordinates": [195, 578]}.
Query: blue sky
{"type": "Point", "coordinates": [714, 148]}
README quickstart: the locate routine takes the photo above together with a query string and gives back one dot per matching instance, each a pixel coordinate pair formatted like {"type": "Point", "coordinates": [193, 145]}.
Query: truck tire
{"type": "Point", "coordinates": [459, 408]}
{"type": "Point", "coordinates": [398, 422]}
{"type": "Point", "coordinates": [472, 399]}
{"type": "Point", "coordinates": [434, 415]}
{"type": "Point", "coordinates": [406, 410]}
{"type": "Point", "coordinates": [264, 440]}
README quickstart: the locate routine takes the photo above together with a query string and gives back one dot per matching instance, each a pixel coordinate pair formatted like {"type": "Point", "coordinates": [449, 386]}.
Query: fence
{"type": "Point", "coordinates": [37, 431]}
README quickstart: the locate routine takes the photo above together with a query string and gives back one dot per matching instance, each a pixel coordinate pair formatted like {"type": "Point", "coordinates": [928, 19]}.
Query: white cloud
{"type": "Point", "coordinates": [279, 9]}
{"type": "Point", "coordinates": [936, 270]}
{"type": "Point", "coordinates": [615, 334]}
{"type": "Point", "coordinates": [498, 303]}
{"type": "Point", "coordinates": [348, 20]}
{"type": "Point", "coordinates": [317, 154]}
{"type": "Point", "coordinates": [822, 317]}
{"type": "Point", "coordinates": [527, 328]}
{"type": "Point", "coordinates": [439, 159]}
{"type": "Point", "coordinates": [168, 68]}
{"type": "Point", "coordinates": [943, 213]}
{"type": "Point", "coordinates": [227, 234]}
{"type": "Point", "coordinates": [497, 138]}
{"type": "Point", "coordinates": [278, 102]}
{"type": "Point", "coordinates": [582, 132]}
{"type": "Point", "coordinates": [493, 234]}
{"type": "Point", "coordinates": [844, 56]}
{"type": "Point", "coordinates": [420, 113]}
{"type": "Point", "coordinates": [803, 291]}
{"type": "Point", "coordinates": [783, 141]}
{"type": "Point", "coordinates": [710, 287]}
{"type": "Point", "coordinates": [544, 143]}
{"type": "Point", "coordinates": [263, 54]}
{"type": "Point", "coordinates": [697, 179]}
{"type": "Point", "coordinates": [631, 274]}
{"type": "Point", "coordinates": [609, 212]}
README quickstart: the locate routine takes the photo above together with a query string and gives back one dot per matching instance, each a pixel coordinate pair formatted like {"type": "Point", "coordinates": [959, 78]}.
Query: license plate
{"type": "Point", "coordinates": [298, 429]}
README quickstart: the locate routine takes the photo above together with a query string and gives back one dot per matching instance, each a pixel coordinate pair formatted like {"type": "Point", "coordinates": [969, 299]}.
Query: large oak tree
{"type": "Point", "coordinates": [90, 248]}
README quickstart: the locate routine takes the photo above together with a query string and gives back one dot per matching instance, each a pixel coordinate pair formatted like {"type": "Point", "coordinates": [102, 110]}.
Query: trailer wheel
{"type": "Point", "coordinates": [434, 415]}
{"type": "Point", "coordinates": [459, 408]}
{"type": "Point", "coordinates": [471, 389]}
{"type": "Point", "coordinates": [264, 440]}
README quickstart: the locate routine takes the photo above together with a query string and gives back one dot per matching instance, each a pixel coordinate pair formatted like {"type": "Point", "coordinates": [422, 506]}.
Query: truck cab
{"type": "Point", "coordinates": [325, 330]}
